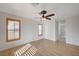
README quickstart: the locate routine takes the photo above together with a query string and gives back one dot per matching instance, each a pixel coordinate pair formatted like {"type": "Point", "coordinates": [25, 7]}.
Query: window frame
{"type": "Point", "coordinates": [41, 30]}
{"type": "Point", "coordinates": [15, 20]}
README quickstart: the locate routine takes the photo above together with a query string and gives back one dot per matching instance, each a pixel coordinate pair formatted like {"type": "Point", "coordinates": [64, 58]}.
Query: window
{"type": "Point", "coordinates": [13, 29]}
{"type": "Point", "coordinates": [40, 29]}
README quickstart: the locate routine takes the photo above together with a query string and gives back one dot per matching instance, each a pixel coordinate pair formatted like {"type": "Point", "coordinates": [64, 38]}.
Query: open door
{"type": "Point", "coordinates": [60, 30]}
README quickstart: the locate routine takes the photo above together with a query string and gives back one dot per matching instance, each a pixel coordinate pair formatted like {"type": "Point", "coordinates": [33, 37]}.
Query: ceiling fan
{"type": "Point", "coordinates": [47, 17]}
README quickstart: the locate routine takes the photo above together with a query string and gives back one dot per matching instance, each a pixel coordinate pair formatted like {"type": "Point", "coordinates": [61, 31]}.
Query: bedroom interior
{"type": "Point", "coordinates": [39, 29]}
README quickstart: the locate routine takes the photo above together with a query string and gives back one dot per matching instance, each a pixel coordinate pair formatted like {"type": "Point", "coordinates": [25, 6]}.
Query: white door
{"type": "Point", "coordinates": [61, 31]}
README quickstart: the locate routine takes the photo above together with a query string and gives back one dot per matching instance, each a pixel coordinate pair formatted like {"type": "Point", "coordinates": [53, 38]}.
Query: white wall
{"type": "Point", "coordinates": [29, 31]}
{"type": "Point", "coordinates": [72, 30]}
{"type": "Point", "coordinates": [70, 13]}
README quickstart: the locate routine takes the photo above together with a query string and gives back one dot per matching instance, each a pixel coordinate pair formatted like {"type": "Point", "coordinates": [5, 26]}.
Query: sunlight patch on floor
{"type": "Point", "coordinates": [27, 50]}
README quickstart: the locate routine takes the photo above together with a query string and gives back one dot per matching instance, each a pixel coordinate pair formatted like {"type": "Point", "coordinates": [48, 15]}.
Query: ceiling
{"type": "Point", "coordinates": [27, 10]}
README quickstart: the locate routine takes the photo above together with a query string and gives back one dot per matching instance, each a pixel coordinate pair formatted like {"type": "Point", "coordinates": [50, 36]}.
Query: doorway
{"type": "Point", "coordinates": [60, 31]}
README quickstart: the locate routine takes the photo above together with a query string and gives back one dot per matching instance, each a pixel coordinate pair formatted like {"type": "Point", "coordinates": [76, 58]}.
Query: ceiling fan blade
{"type": "Point", "coordinates": [48, 18]}
{"type": "Point", "coordinates": [49, 15]}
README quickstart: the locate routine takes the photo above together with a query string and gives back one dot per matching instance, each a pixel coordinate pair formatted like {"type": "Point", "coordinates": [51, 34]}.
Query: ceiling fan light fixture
{"type": "Point", "coordinates": [43, 19]}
